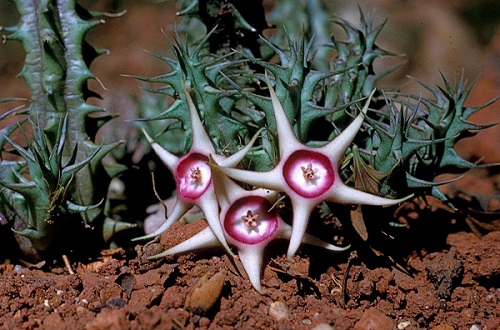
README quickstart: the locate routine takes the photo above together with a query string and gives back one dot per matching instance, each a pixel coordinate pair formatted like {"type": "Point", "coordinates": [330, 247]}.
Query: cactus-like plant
{"type": "Point", "coordinates": [419, 138]}
{"type": "Point", "coordinates": [46, 192]}
{"type": "Point", "coordinates": [250, 221]}
{"type": "Point", "coordinates": [193, 175]}
{"type": "Point", "coordinates": [63, 160]}
{"type": "Point", "coordinates": [397, 151]}
{"type": "Point", "coordinates": [307, 175]}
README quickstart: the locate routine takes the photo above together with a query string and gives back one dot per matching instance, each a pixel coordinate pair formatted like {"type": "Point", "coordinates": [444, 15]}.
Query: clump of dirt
{"type": "Point", "coordinates": [445, 271]}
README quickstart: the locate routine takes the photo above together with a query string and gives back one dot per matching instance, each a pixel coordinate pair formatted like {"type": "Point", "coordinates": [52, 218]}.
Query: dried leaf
{"type": "Point", "coordinates": [127, 282]}
{"type": "Point", "coordinates": [365, 177]}
{"type": "Point", "coordinates": [358, 223]}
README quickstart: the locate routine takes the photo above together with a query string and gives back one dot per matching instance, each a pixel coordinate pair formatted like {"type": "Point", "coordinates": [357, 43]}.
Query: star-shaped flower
{"type": "Point", "coordinates": [250, 222]}
{"type": "Point", "coordinates": [308, 175]}
{"type": "Point", "coordinates": [193, 176]}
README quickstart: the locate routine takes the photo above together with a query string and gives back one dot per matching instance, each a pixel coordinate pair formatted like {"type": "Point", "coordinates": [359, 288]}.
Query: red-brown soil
{"type": "Point", "coordinates": [451, 289]}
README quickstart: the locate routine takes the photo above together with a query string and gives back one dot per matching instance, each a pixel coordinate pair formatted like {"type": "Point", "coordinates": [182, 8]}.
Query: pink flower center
{"type": "Point", "coordinates": [308, 173]}
{"type": "Point", "coordinates": [249, 220]}
{"type": "Point", "coordinates": [193, 176]}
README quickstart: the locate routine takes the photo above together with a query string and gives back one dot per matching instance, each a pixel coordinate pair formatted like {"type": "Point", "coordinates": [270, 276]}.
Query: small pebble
{"type": "Point", "coordinates": [467, 313]}
{"type": "Point", "coordinates": [403, 325]}
{"type": "Point", "coordinates": [323, 326]}
{"type": "Point", "coordinates": [373, 319]}
{"type": "Point", "coordinates": [475, 327]}
{"type": "Point", "coordinates": [205, 293]}
{"type": "Point", "coordinates": [279, 311]}
{"type": "Point", "coordinates": [204, 322]}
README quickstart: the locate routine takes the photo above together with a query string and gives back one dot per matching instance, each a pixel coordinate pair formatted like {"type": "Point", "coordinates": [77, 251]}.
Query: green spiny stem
{"type": "Point", "coordinates": [66, 175]}
{"type": "Point", "coordinates": [200, 73]}
{"type": "Point", "coordinates": [234, 24]}
{"type": "Point", "coordinates": [413, 142]}
{"type": "Point", "coordinates": [314, 25]}
{"type": "Point", "coordinates": [406, 145]}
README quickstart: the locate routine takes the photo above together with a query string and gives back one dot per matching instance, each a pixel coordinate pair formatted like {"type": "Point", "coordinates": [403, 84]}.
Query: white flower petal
{"type": "Point", "coordinates": [179, 210]}
{"type": "Point", "coordinates": [286, 232]}
{"type": "Point", "coordinates": [200, 140]}
{"type": "Point", "coordinates": [166, 157]}
{"type": "Point", "coordinates": [270, 180]}
{"type": "Point", "coordinates": [202, 240]}
{"type": "Point", "coordinates": [286, 136]}
{"type": "Point", "coordinates": [251, 258]}
{"type": "Point", "coordinates": [340, 193]}
{"type": "Point", "coordinates": [302, 209]}
{"type": "Point", "coordinates": [313, 240]}
{"type": "Point", "coordinates": [210, 209]}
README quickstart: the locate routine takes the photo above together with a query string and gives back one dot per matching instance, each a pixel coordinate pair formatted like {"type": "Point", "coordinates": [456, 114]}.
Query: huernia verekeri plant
{"type": "Point", "coordinates": [193, 176]}
{"type": "Point", "coordinates": [250, 220]}
{"type": "Point", "coordinates": [411, 143]}
{"type": "Point", "coordinates": [321, 130]}
{"type": "Point", "coordinates": [307, 175]}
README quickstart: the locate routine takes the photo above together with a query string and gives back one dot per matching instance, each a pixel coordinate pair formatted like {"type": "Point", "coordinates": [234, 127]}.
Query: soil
{"type": "Point", "coordinates": [442, 273]}
{"type": "Point", "coordinates": [456, 288]}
